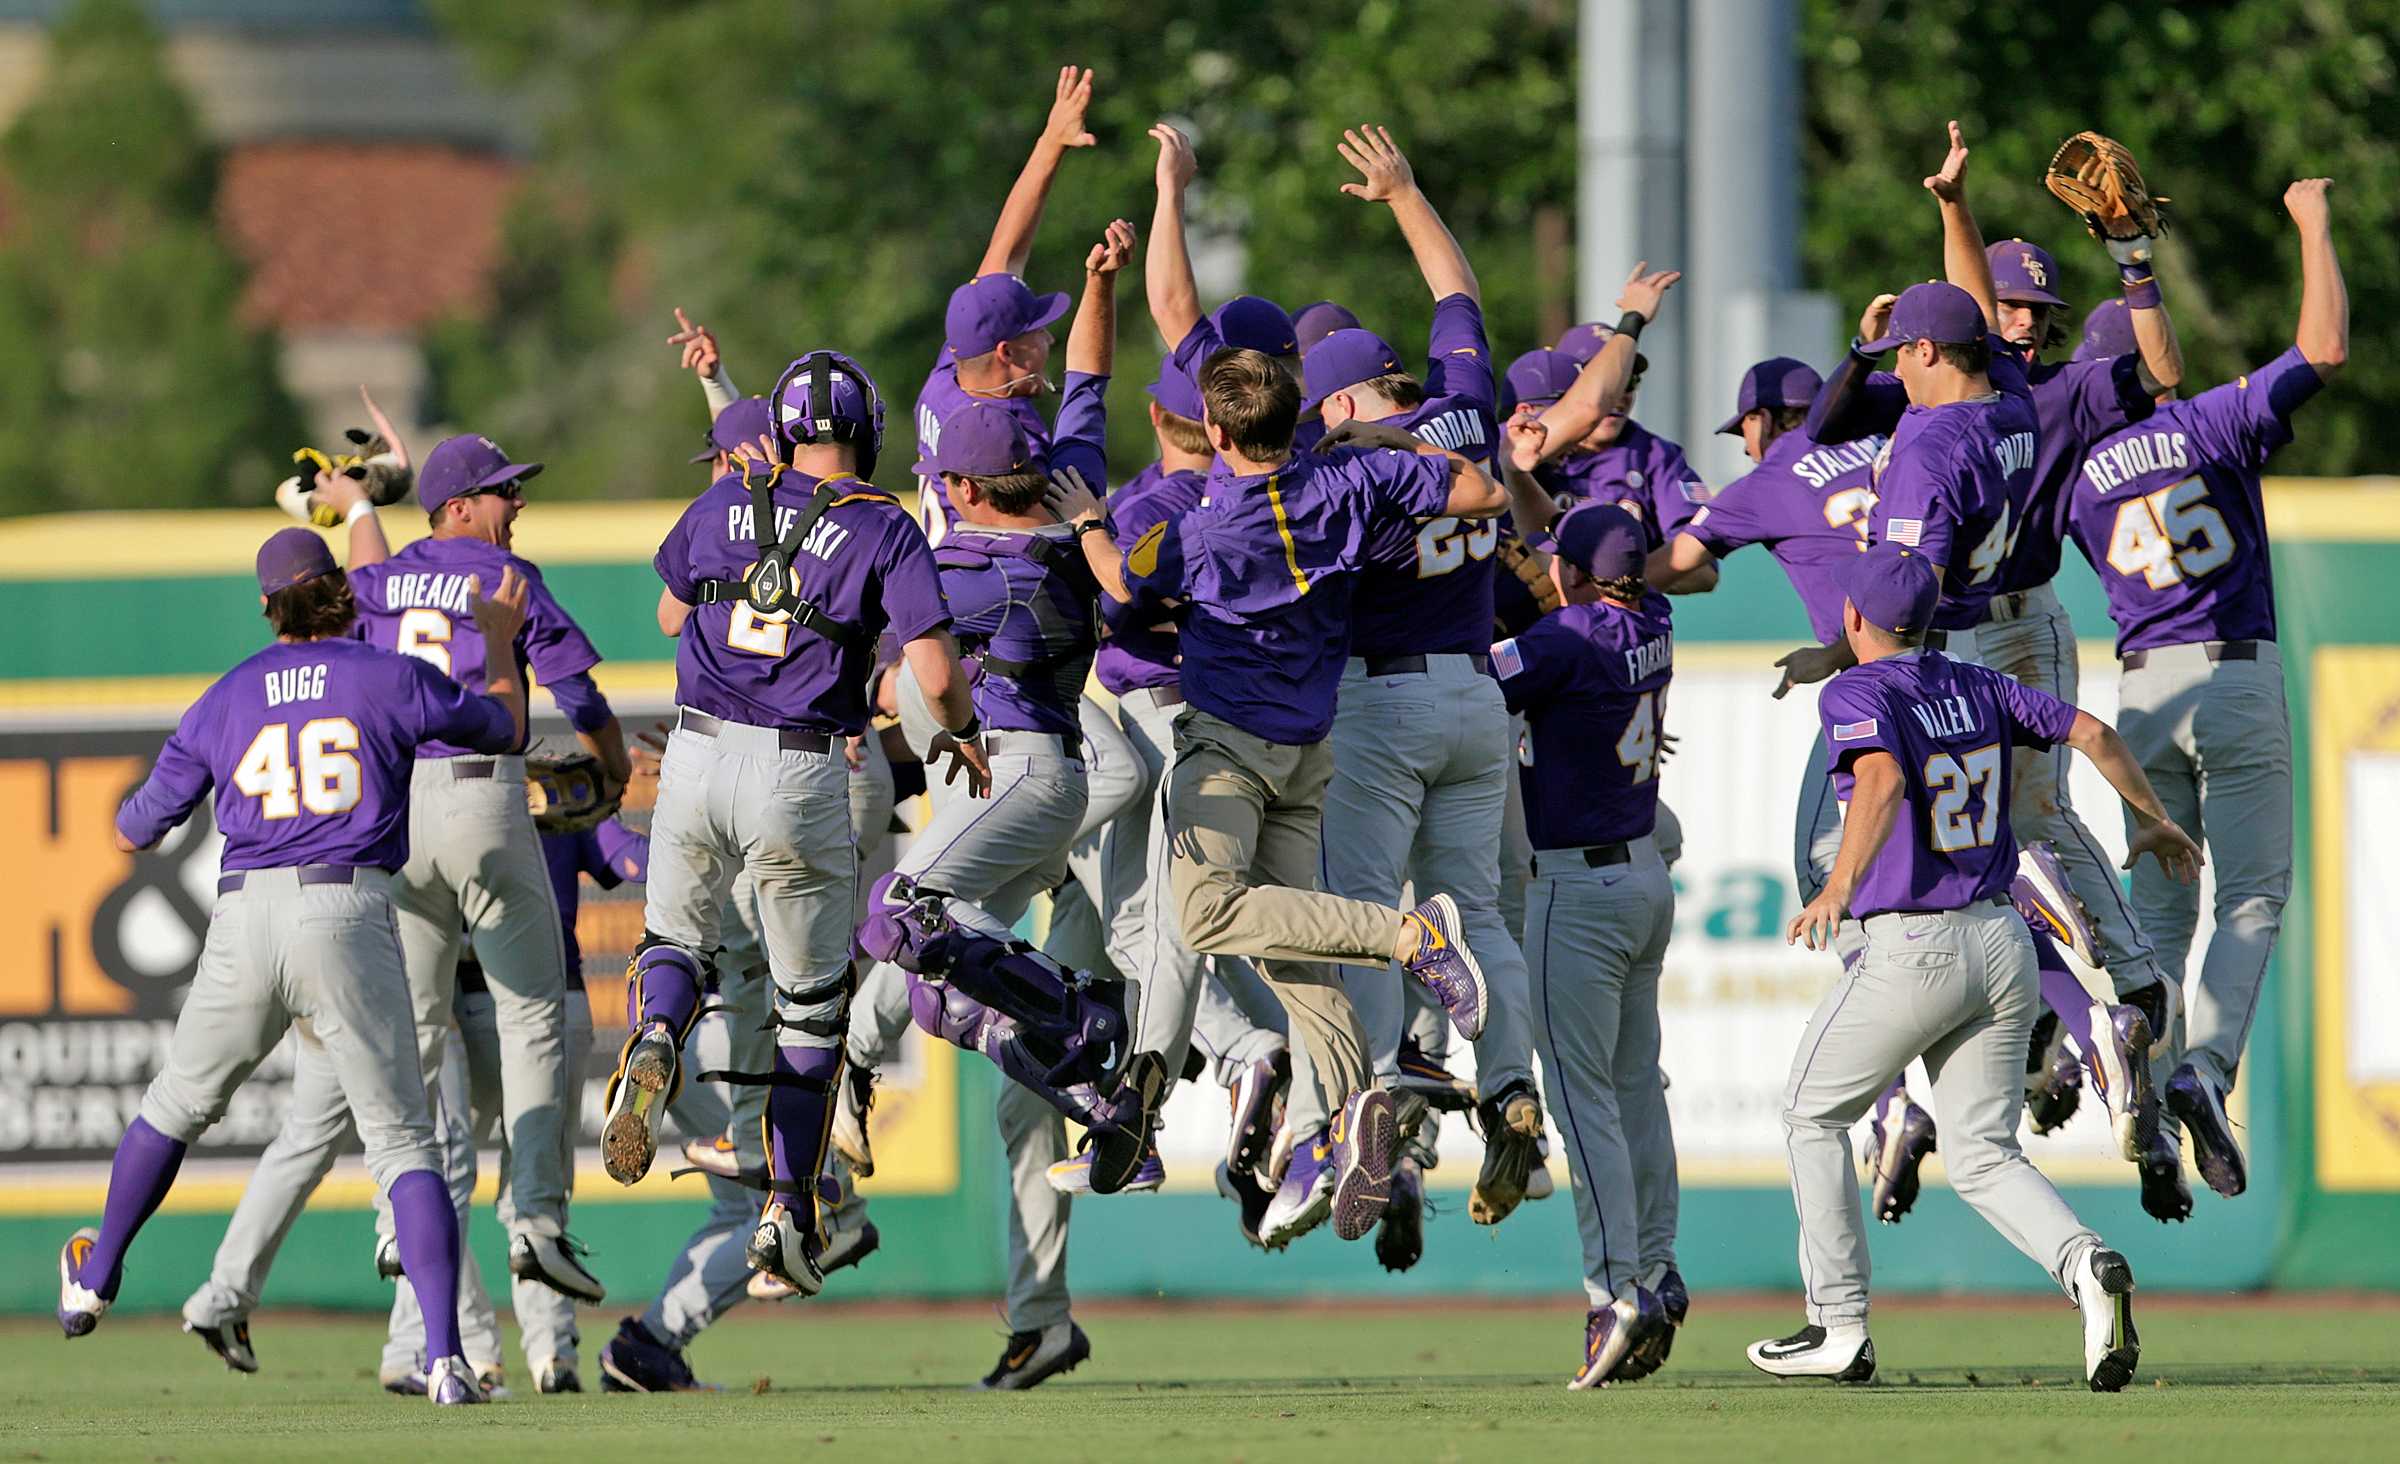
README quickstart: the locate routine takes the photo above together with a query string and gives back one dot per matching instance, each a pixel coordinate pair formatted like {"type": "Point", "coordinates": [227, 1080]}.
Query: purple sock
{"type": "Point", "coordinates": [138, 1178]}
{"type": "Point", "coordinates": [665, 988]}
{"type": "Point", "coordinates": [428, 1232]}
{"type": "Point", "coordinates": [2063, 993]}
{"type": "Point", "coordinates": [799, 1119]}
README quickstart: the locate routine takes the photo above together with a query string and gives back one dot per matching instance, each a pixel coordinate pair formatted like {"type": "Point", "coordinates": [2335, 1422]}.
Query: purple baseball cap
{"type": "Point", "coordinates": [1778, 381]}
{"type": "Point", "coordinates": [747, 420]}
{"type": "Point", "coordinates": [1602, 540]}
{"type": "Point", "coordinates": [1541, 376]}
{"type": "Point", "coordinates": [1176, 392]}
{"type": "Point", "coordinates": [1582, 342]}
{"type": "Point", "coordinates": [1255, 323]}
{"type": "Point", "coordinates": [466, 464]}
{"type": "Point", "coordinates": [993, 308]}
{"type": "Point", "coordinates": [1893, 587]}
{"type": "Point", "coordinates": [292, 556]}
{"type": "Point", "coordinates": [1315, 322]}
{"type": "Point", "coordinates": [2107, 331]}
{"type": "Point", "coordinates": [1341, 361]}
{"type": "Point", "coordinates": [982, 440]}
{"type": "Point", "coordinates": [2023, 272]}
{"type": "Point", "coordinates": [1936, 311]}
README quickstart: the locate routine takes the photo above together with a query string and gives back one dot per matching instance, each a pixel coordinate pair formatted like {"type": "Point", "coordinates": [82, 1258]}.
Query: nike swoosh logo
{"type": "Point", "coordinates": [1779, 1349]}
{"type": "Point", "coordinates": [1024, 1357]}
{"type": "Point", "coordinates": [1919, 934]}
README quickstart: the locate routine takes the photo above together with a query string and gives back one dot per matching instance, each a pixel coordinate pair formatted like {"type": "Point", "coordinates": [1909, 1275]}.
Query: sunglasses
{"type": "Point", "coordinates": [514, 492]}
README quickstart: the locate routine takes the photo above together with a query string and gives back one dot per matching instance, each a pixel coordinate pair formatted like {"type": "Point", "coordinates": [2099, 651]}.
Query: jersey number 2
{"type": "Point", "coordinates": [324, 778]}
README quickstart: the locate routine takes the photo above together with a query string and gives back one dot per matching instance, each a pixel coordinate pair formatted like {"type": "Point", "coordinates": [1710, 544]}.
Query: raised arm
{"type": "Point", "coordinates": [1386, 177]}
{"type": "Point", "coordinates": [1072, 499]}
{"type": "Point", "coordinates": [1092, 340]}
{"type": "Point", "coordinates": [1021, 214]}
{"type": "Point", "coordinates": [1602, 380]}
{"type": "Point", "coordinates": [1963, 261]}
{"type": "Point", "coordinates": [2324, 333]}
{"type": "Point", "coordinates": [1681, 566]}
{"type": "Point", "coordinates": [699, 346]}
{"type": "Point", "coordinates": [1167, 269]}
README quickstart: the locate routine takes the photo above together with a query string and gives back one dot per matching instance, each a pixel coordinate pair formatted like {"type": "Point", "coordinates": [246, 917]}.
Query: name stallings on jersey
{"type": "Point", "coordinates": [2122, 461]}
{"type": "Point", "coordinates": [1821, 466]}
{"type": "Point", "coordinates": [295, 683]}
{"type": "Point", "coordinates": [1650, 658]}
{"type": "Point", "coordinates": [2016, 453]}
{"type": "Point", "coordinates": [1947, 718]}
{"type": "Point", "coordinates": [822, 540]}
{"type": "Point", "coordinates": [1458, 432]}
{"type": "Point", "coordinates": [427, 591]}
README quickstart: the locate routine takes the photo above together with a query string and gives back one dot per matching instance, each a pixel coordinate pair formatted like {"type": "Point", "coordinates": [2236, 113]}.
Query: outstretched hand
{"type": "Point", "coordinates": [1074, 96]}
{"type": "Point", "coordinates": [1177, 166]}
{"type": "Point", "coordinates": [967, 757]}
{"type": "Point", "coordinates": [501, 613]}
{"type": "Point", "coordinates": [1381, 164]}
{"type": "Point", "coordinates": [1070, 497]}
{"type": "Point", "coordinates": [1644, 291]}
{"type": "Point", "coordinates": [1806, 666]}
{"type": "Point", "coordinates": [1113, 252]}
{"type": "Point", "coordinates": [1950, 184]}
{"type": "Point", "coordinates": [699, 346]}
{"type": "Point", "coordinates": [2174, 850]}
{"type": "Point", "coordinates": [1354, 433]}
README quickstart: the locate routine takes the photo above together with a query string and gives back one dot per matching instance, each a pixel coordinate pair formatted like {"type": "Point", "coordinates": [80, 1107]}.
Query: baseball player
{"type": "Point", "coordinates": [1267, 565]}
{"type": "Point", "coordinates": [1594, 675]}
{"type": "Point", "coordinates": [1420, 740]}
{"type": "Point", "coordinates": [307, 744]}
{"type": "Point", "coordinates": [2168, 511]}
{"type": "Point", "coordinates": [1608, 455]}
{"type": "Point", "coordinates": [777, 583]}
{"type": "Point", "coordinates": [1920, 743]}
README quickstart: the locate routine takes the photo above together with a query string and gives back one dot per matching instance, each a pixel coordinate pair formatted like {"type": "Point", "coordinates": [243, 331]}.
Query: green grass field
{"type": "Point", "coordinates": [1970, 1380]}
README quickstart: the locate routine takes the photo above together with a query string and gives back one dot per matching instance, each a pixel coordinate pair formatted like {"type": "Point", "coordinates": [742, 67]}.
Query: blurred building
{"type": "Point", "coordinates": [365, 175]}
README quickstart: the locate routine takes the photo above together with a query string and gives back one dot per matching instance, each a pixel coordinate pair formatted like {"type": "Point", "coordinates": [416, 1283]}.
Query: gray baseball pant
{"type": "Point", "coordinates": [1958, 988]}
{"type": "Point", "coordinates": [2030, 638]}
{"type": "Point", "coordinates": [475, 863]}
{"type": "Point", "coordinates": [462, 1127]}
{"type": "Point", "coordinates": [1596, 939]}
{"type": "Point", "coordinates": [2215, 738]}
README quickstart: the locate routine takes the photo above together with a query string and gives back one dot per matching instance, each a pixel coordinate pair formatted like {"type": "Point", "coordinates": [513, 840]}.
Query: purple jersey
{"type": "Point", "coordinates": [864, 564]}
{"type": "Point", "coordinates": [1950, 726]}
{"type": "Point", "coordinates": [310, 747]}
{"type": "Point", "coordinates": [1142, 649]}
{"type": "Point", "coordinates": [2169, 512]}
{"type": "Point", "coordinates": [1641, 472]}
{"type": "Point", "coordinates": [2078, 402]}
{"type": "Point", "coordinates": [1808, 502]}
{"type": "Point", "coordinates": [1949, 484]}
{"type": "Point", "coordinates": [942, 396]}
{"type": "Point", "coordinates": [1268, 563]}
{"type": "Point", "coordinates": [1592, 683]}
{"type": "Point", "coordinates": [1021, 603]}
{"type": "Point", "coordinates": [416, 603]}
{"type": "Point", "coordinates": [610, 853]}
{"type": "Point", "coordinates": [1428, 585]}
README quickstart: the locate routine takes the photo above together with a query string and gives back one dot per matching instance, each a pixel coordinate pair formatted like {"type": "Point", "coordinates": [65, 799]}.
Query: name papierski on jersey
{"type": "Point", "coordinates": [823, 539]}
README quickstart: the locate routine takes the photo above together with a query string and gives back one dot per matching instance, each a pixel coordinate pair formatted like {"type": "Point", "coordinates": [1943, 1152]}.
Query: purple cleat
{"type": "Point", "coordinates": [1448, 969]}
{"type": "Point", "coordinates": [2043, 895]}
{"type": "Point", "coordinates": [1425, 1077]}
{"type": "Point", "coordinates": [1251, 1196]}
{"type": "Point", "coordinates": [1613, 1333]}
{"type": "Point", "coordinates": [1073, 1176]}
{"type": "Point", "coordinates": [1305, 1197]}
{"type": "Point", "coordinates": [2200, 1107]}
{"type": "Point", "coordinates": [1676, 1303]}
{"type": "Point", "coordinates": [2166, 1198]}
{"type": "Point", "coordinates": [1365, 1139]}
{"type": "Point", "coordinates": [2118, 1048]}
{"type": "Point", "coordinates": [2053, 1076]}
{"type": "Point", "coordinates": [450, 1383]}
{"type": "Point", "coordinates": [1257, 1095]}
{"type": "Point", "coordinates": [635, 1361]}
{"type": "Point", "coordinates": [1900, 1149]}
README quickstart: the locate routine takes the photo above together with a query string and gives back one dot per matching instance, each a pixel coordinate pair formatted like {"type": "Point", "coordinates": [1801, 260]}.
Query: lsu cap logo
{"type": "Point", "coordinates": [2033, 268]}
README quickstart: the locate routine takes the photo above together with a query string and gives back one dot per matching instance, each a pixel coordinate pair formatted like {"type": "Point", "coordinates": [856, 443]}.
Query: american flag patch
{"type": "Point", "coordinates": [1507, 660]}
{"type": "Point", "coordinates": [1906, 531]}
{"type": "Point", "coordinates": [1853, 731]}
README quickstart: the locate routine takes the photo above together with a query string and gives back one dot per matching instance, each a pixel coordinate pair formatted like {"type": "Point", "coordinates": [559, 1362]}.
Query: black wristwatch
{"type": "Point", "coordinates": [1085, 526]}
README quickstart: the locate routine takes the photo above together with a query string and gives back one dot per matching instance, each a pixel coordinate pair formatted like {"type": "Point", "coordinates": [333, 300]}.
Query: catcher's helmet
{"type": "Point", "coordinates": [826, 396]}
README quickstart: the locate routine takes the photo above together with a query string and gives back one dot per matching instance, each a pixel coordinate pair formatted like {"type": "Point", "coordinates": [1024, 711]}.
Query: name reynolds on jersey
{"type": "Point", "coordinates": [1946, 718]}
{"type": "Point", "coordinates": [295, 683]}
{"type": "Point", "coordinates": [822, 540]}
{"type": "Point", "coordinates": [2118, 463]}
{"type": "Point", "coordinates": [1819, 468]}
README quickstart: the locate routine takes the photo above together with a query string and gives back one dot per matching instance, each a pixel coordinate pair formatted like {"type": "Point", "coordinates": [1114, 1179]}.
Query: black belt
{"type": "Point", "coordinates": [1595, 856]}
{"type": "Point", "coordinates": [1169, 695]}
{"type": "Point", "coordinates": [1415, 665]}
{"type": "Point", "coordinates": [2241, 650]}
{"type": "Point", "coordinates": [790, 739]}
{"type": "Point", "coordinates": [310, 874]}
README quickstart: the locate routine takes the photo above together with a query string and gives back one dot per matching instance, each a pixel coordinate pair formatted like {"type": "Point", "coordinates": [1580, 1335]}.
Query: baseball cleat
{"type": "Point", "coordinates": [1448, 969]}
{"type": "Point", "coordinates": [2199, 1106]}
{"type": "Point", "coordinates": [2119, 1046]}
{"type": "Point", "coordinates": [450, 1383]}
{"type": "Point", "coordinates": [493, 1379]}
{"type": "Point", "coordinates": [1538, 1183]}
{"type": "Point", "coordinates": [1512, 1130]}
{"type": "Point", "coordinates": [1279, 1154]}
{"type": "Point", "coordinates": [1400, 1238]}
{"type": "Point", "coordinates": [1253, 1198]}
{"type": "Point", "coordinates": [2166, 1198]}
{"type": "Point", "coordinates": [1676, 1301]}
{"type": "Point", "coordinates": [405, 1381]}
{"type": "Point", "coordinates": [1613, 1334]}
{"type": "Point", "coordinates": [637, 1095]}
{"type": "Point", "coordinates": [1844, 1354]}
{"type": "Point", "coordinates": [79, 1308]}
{"type": "Point", "coordinates": [1305, 1197]}
{"type": "Point", "coordinates": [1257, 1092]}
{"type": "Point", "coordinates": [779, 1248]}
{"type": "Point", "coordinates": [2053, 1076]}
{"type": "Point", "coordinates": [635, 1361]}
{"type": "Point", "coordinates": [1425, 1077]}
{"type": "Point", "coordinates": [1073, 1176]}
{"type": "Point", "coordinates": [387, 1258]}
{"type": "Point", "coordinates": [230, 1341]}
{"type": "Point", "coordinates": [2043, 895]}
{"type": "Point", "coordinates": [713, 1156]}
{"type": "Point", "coordinates": [846, 1248]}
{"type": "Point", "coordinates": [1033, 1358]}
{"type": "Point", "coordinates": [1900, 1150]}
{"type": "Point", "coordinates": [852, 1103]}
{"type": "Point", "coordinates": [1123, 1154]}
{"type": "Point", "coordinates": [1364, 1140]}
{"type": "Point", "coordinates": [557, 1376]}
{"type": "Point", "coordinates": [2104, 1292]}
{"type": "Point", "coordinates": [553, 1260]}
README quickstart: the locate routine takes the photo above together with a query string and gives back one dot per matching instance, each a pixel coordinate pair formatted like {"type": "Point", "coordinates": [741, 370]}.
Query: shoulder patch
{"type": "Point", "coordinates": [1906, 531]}
{"type": "Point", "coordinates": [1854, 731]}
{"type": "Point", "coordinates": [1507, 660]}
{"type": "Point", "coordinates": [1143, 559]}
{"type": "Point", "coordinates": [1694, 491]}
{"type": "Point", "coordinates": [1698, 519]}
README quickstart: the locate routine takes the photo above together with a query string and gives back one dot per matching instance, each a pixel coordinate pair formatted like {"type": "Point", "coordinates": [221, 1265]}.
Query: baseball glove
{"type": "Point", "coordinates": [566, 789]}
{"type": "Point", "coordinates": [370, 459]}
{"type": "Point", "coordinates": [2097, 177]}
{"type": "Point", "coordinates": [1532, 569]}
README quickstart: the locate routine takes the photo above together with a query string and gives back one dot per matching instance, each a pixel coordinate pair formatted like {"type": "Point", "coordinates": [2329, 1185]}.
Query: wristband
{"type": "Point", "coordinates": [1631, 323]}
{"type": "Point", "coordinates": [969, 732]}
{"type": "Point", "coordinates": [364, 508]}
{"type": "Point", "coordinates": [1101, 523]}
{"type": "Point", "coordinates": [2141, 286]}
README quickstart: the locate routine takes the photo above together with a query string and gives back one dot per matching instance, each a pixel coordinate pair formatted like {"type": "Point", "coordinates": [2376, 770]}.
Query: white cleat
{"type": "Point", "coordinates": [450, 1383]}
{"type": "Point", "coordinates": [551, 1260]}
{"type": "Point", "coordinates": [1844, 1354]}
{"type": "Point", "coordinates": [2104, 1292]}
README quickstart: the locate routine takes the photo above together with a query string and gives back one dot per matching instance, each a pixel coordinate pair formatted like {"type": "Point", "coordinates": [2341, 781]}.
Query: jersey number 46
{"type": "Point", "coordinates": [323, 777]}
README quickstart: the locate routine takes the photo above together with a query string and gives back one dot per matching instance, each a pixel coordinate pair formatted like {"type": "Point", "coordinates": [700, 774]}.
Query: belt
{"type": "Point", "coordinates": [2241, 650]}
{"type": "Point", "coordinates": [1170, 695]}
{"type": "Point", "coordinates": [1995, 902]}
{"type": "Point", "coordinates": [1415, 665]}
{"type": "Point", "coordinates": [1595, 856]}
{"type": "Point", "coordinates": [2010, 606]}
{"type": "Point", "coordinates": [310, 874]}
{"type": "Point", "coordinates": [790, 739]}
{"type": "Point", "coordinates": [1068, 745]}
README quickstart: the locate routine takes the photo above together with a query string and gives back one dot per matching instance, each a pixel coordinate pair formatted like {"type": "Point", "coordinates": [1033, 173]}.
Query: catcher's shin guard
{"type": "Point", "coordinates": [663, 982]}
{"type": "Point", "coordinates": [945, 1011]}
